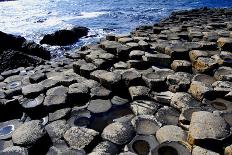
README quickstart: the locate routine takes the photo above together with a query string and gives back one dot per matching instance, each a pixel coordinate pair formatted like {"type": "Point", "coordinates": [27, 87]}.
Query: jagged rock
{"type": "Point", "coordinates": [200, 90]}
{"type": "Point", "coordinates": [181, 66]}
{"type": "Point", "coordinates": [223, 74]}
{"type": "Point", "coordinates": [105, 147]}
{"type": "Point", "coordinates": [171, 133]}
{"type": "Point", "coordinates": [139, 92]}
{"type": "Point", "coordinates": [145, 124]}
{"type": "Point", "coordinates": [118, 133]}
{"type": "Point", "coordinates": [142, 144]}
{"type": "Point", "coordinates": [32, 90]}
{"type": "Point", "coordinates": [65, 37]}
{"type": "Point", "coordinates": [182, 100]}
{"type": "Point", "coordinates": [179, 81]}
{"type": "Point", "coordinates": [195, 54]}
{"type": "Point", "coordinates": [99, 106]}
{"type": "Point", "coordinates": [197, 150]}
{"type": "Point", "coordinates": [204, 65]}
{"type": "Point", "coordinates": [225, 44]}
{"type": "Point", "coordinates": [79, 137]}
{"type": "Point", "coordinates": [205, 125]}
{"type": "Point", "coordinates": [56, 130]}
{"type": "Point", "coordinates": [28, 133]}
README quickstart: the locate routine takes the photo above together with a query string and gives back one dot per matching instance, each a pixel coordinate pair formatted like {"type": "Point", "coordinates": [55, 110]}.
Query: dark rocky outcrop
{"type": "Point", "coordinates": [64, 37]}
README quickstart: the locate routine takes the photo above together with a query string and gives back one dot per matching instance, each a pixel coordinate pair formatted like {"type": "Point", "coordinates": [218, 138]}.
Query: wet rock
{"type": "Point", "coordinates": [65, 37]}
{"type": "Point", "coordinates": [174, 148]}
{"type": "Point", "coordinates": [28, 134]}
{"type": "Point", "coordinates": [32, 90]}
{"type": "Point", "coordinates": [180, 81]}
{"type": "Point", "coordinates": [223, 74]}
{"type": "Point", "coordinates": [100, 92]}
{"type": "Point", "coordinates": [143, 107]}
{"type": "Point", "coordinates": [79, 117]}
{"type": "Point", "coordinates": [59, 114]}
{"type": "Point", "coordinates": [181, 66]}
{"type": "Point", "coordinates": [200, 90]}
{"type": "Point", "coordinates": [56, 130]}
{"type": "Point", "coordinates": [105, 147]}
{"type": "Point", "coordinates": [14, 150]}
{"type": "Point", "coordinates": [145, 124]}
{"type": "Point", "coordinates": [118, 133]}
{"type": "Point", "coordinates": [99, 106]}
{"type": "Point", "coordinates": [205, 125]}
{"type": "Point", "coordinates": [182, 100]}
{"type": "Point", "coordinates": [225, 44]}
{"type": "Point", "coordinates": [79, 137]}
{"type": "Point", "coordinates": [199, 150]}
{"type": "Point", "coordinates": [139, 92]}
{"type": "Point", "coordinates": [171, 133]}
{"type": "Point", "coordinates": [7, 128]}
{"type": "Point", "coordinates": [142, 144]}
{"type": "Point", "coordinates": [167, 116]}
{"type": "Point", "coordinates": [56, 97]}
{"type": "Point", "coordinates": [204, 65]}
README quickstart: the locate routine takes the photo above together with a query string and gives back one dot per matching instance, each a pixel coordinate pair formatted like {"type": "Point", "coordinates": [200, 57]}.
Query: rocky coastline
{"type": "Point", "coordinates": [164, 89]}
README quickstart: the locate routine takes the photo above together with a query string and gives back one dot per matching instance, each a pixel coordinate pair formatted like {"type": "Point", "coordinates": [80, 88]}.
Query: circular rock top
{"type": "Point", "coordinates": [99, 106]}
{"type": "Point", "coordinates": [118, 133]}
{"type": "Point", "coordinates": [206, 125]}
{"type": "Point", "coordinates": [28, 133]}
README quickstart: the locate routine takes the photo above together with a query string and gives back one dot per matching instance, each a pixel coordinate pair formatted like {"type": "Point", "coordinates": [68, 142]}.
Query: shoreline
{"type": "Point", "coordinates": [163, 88]}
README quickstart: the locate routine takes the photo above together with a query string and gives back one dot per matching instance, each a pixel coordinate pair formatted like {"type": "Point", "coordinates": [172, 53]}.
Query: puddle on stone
{"type": "Point", "coordinates": [6, 130]}
{"type": "Point", "coordinates": [167, 150]}
{"type": "Point", "coordinates": [141, 147]}
{"type": "Point", "coordinates": [100, 121]}
{"type": "Point", "coordinates": [219, 105]}
{"type": "Point", "coordinates": [81, 121]}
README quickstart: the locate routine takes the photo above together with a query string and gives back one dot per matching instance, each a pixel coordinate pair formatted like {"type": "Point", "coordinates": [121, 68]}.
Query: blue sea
{"type": "Point", "coordinates": [35, 18]}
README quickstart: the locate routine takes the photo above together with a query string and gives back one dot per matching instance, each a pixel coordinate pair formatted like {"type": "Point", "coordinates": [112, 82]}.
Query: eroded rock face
{"type": "Point", "coordinates": [64, 37]}
{"type": "Point", "coordinates": [205, 125]}
{"type": "Point", "coordinates": [79, 137]}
